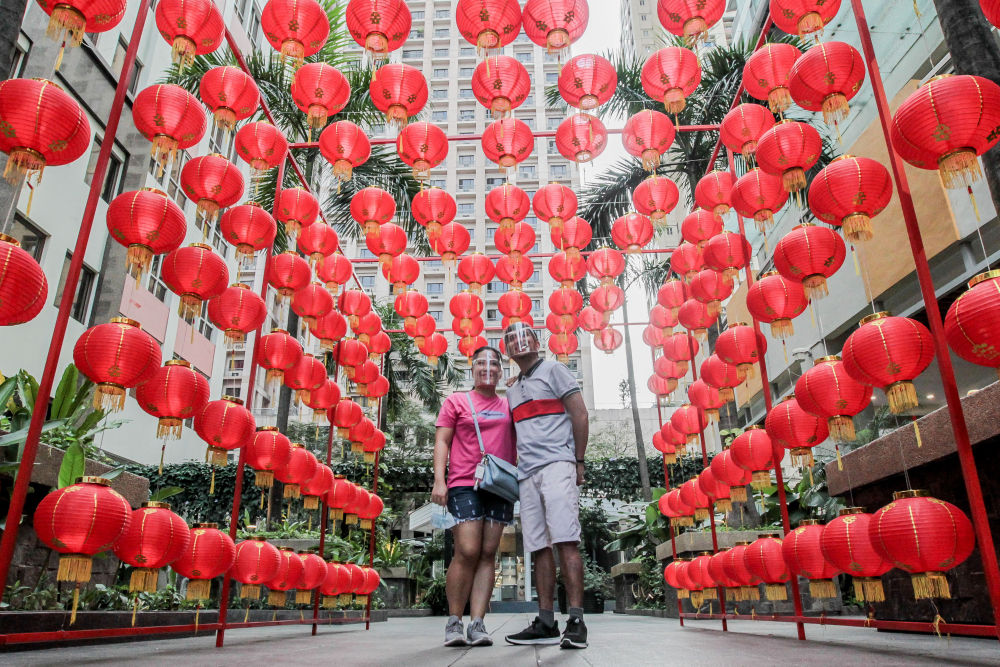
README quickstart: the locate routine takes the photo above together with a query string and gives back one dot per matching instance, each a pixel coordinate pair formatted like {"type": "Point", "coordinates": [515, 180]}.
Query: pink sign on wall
{"type": "Point", "coordinates": [194, 347]}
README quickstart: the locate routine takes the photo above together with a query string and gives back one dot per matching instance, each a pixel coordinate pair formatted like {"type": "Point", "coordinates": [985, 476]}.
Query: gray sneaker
{"type": "Point", "coordinates": [478, 635]}
{"type": "Point", "coordinates": [454, 633]}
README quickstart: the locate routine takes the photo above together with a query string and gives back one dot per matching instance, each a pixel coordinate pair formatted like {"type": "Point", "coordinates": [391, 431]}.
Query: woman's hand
{"type": "Point", "coordinates": [439, 494]}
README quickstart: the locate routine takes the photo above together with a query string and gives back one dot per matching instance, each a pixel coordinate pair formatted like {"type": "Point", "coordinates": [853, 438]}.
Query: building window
{"type": "Point", "coordinates": [466, 94]}
{"type": "Point", "coordinates": [493, 342]}
{"type": "Point", "coordinates": [467, 51]}
{"type": "Point", "coordinates": [552, 123]}
{"type": "Point", "coordinates": [529, 121]}
{"type": "Point", "coordinates": [526, 171]}
{"type": "Point", "coordinates": [119, 61]}
{"type": "Point", "coordinates": [465, 210]}
{"type": "Point", "coordinates": [84, 290]}
{"type": "Point", "coordinates": [495, 181]}
{"type": "Point", "coordinates": [441, 53]}
{"type": "Point", "coordinates": [435, 288]}
{"type": "Point", "coordinates": [466, 72]}
{"type": "Point", "coordinates": [417, 33]}
{"type": "Point", "coordinates": [466, 184]}
{"type": "Point", "coordinates": [524, 57]}
{"type": "Point", "coordinates": [31, 238]}
{"type": "Point", "coordinates": [439, 182]}
{"type": "Point", "coordinates": [113, 180]}
{"type": "Point", "coordinates": [492, 314]}
{"type": "Point", "coordinates": [154, 283]}
{"type": "Point", "coordinates": [496, 287]}
{"type": "Point", "coordinates": [440, 72]}
{"type": "Point", "coordinates": [466, 160]}
{"type": "Point", "coordinates": [436, 314]}
{"type": "Point", "coordinates": [467, 114]}
{"type": "Point", "coordinates": [551, 77]}
{"type": "Point", "coordinates": [551, 147]}
{"type": "Point", "coordinates": [442, 13]}
{"type": "Point", "coordinates": [367, 282]}
{"type": "Point", "coordinates": [413, 54]}
{"type": "Point", "coordinates": [367, 254]}
{"type": "Point", "coordinates": [439, 116]}
{"type": "Point", "coordinates": [21, 51]}
{"type": "Point", "coordinates": [439, 94]}
{"type": "Point", "coordinates": [417, 14]}
{"type": "Point", "coordinates": [536, 307]}
{"type": "Point", "coordinates": [441, 32]}
{"type": "Point", "coordinates": [202, 325]}
{"type": "Point", "coordinates": [253, 27]}
{"type": "Point", "coordinates": [529, 100]}
{"type": "Point", "coordinates": [558, 171]}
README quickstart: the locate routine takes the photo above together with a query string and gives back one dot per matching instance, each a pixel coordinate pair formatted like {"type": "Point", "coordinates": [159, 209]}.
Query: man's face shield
{"type": "Point", "coordinates": [519, 340]}
{"type": "Point", "coordinates": [486, 369]}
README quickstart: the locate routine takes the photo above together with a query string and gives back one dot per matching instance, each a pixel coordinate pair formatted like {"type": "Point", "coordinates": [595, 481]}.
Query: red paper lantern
{"type": "Point", "coordinates": [717, 573]}
{"type": "Point", "coordinates": [80, 521]}
{"type": "Point", "coordinates": [488, 24]}
{"type": "Point", "coordinates": [154, 538]}
{"type": "Point", "coordinates": [345, 146]}
{"type": "Point", "coordinates": [237, 312]}
{"type": "Point", "coordinates": [301, 466]}
{"type": "Point", "coordinates": [669, 369]}
{"type": "Point", "coordinates": [632, 232]}
{"type": "Point", "coordinates": [697, 572]}
{"type": "Point", "coordinates": [320, 91]}
{"type": "Point", "coordinates": [759, 195]}
{"type": "Point", "coordinates": [312, 576]}
{"type": "Point", "coordinates": [608, 340]}
{"type": "Point", "coordinates": [564, 301]}
{"type": "Point", "coordinates": [68, 21]}
{"type": "Point", "coordinates": [422, 146]}
{"type": "Point", "coordinates": [690, 19]}
{"type": "Point", "coordinates": [196, 274]}
{"type": "Point", "coordinates": [261, 145]}
{"type": "Point", "coordinates": [804, 557]}
{"type": "Point", "coordinates": [421, 329]}
{"type": "Point", "coordinates": [969, 324]}
{"type": "Point", "coordinates": [380, 26]}
{"type": "Point", "coordinates": [764, 558]}
{"type": "Point", "coordinates": [803, 17]}
{"type": "Point", "coordinates": [789, 149]}
{"type": "Point", "coordinates": [581, 138]}
{"type": "Point", "coordinates": [696, 317]}
{"type": "Point", "coordinates": [682, 348]}
{"type": "Point", "coordinates": [117, 356]}
{"type": "Point", "coordinates": [321, 400]}
{"type": "Point", "coordinates": [516, 274]}
{"type": "Point", "coordinates": [717, 492]}
{"type": "Point", "coordinates": [735, 566]}
{"type": "Point", "coordinates": [297, 208]}
{"type": "Point", "coordinates": [605, 264]}
{"type": "Point", "coordinates": [573, 235]}
{"type": "Point", "coordinates": [452, 242]}
{"type": "Point", "coordinates": [433, 208]}
{"type": "Point", "coordinates": [225, 425]}
{"type": "Point", "coordinates": [371, 581]}
{"type": "Point", "coordinates": [828, 391]}
{"type": "Point", "coordinates": [402, 271]}
{"type": "Point", "coordinates": [148, 223]}
{"type": "Point", "coordinates": [791, 427]}
{"type": "Point", "coordinates": [826, 78]}
{"type": "Point", "coordinates": [387, 242]}
{"type": "Point", "coordinates": [683, 514]}
{"type": "Point", "coordinates": [278, 352]}
{"type": "Point", "coordinates": [554, 203]}
{"type": "Point", "coordinates": [810, 254]}
{"type": "Point", "coordinates": [399, 91]}
{"type": "Point", "coordinates": [689, 421]}
{"type": "Point", "coordinates": [923, 536]}
{"type": "Point", "coordinates": [289, 571]}
{"type": "Point", "coordinates": [345, 415]}
{"type": "Point", "coordinates": [850, 191]}
{"type": "Point", "coordinates": [308, 374]}
{"type": "Point", "coordinates": [167, 115]}
{"type": "Point", "coordinates": [249, 228]}
{"type": "Point", "coordinates": [317, 486]}
{"type": "Point", "coordinates": [334, 271]}
{"type": "Point", "coordinates": [587, 81]}
{"type": "Point", "coordinates": [889, 352]}
{"type": "Point", "coordinates": [476, 270]}
{"type": "Point", "coordinates": [172, 393]}
{"type": "Point", "coordinates": [563, 346]}
{"type": "Point", "coordinates": [465, 305]}
{"type": "Point", "coordinates": [209, 554]}
{"type": "Point", "coordinates": [410, 305]}
{"type": "Point", "coordinates": [514, 305]}
{"type": "Point", "coordinates": [555, 24]}
{"type": "Point", "coordinates": [992, 10]}
{"type": "Point", "coordinates": [706, 398]}
{"type": "Point", "coordinates": [354, 303]}
{"type": "Point", "coordinates": [776, 300]}
{"type": "Point", "coordinates": [368, 325]}
{"type": "Point", "coordinates": [434, 346]}
{"type": "Point", "coordinates": [648, 135]}
{"type": "Point", "coordinates": [379, 344]}
{"type": "Point", "coordinates": [23, 287]}
{"type": "Point", "coordinates": [288, 273]}
{"type": "Point", "coordinates": [515, 241]}
{"type": "Point", "coordinates": [230, 93]}
{"type": "Point", "coordinates": [694, 498]}
{"type": "Point", "coordinates": [766, 74]}
{"type": "Point", "coordinates": [591, 319]}
{"type": "Point", "coordinates": [656, 197]}
{"type": "Point", "coordinates": [670, 75]}
{"type": "Point", "coordinates": [661, 387]}
{"type": "Point", "coordinates": [507, 205]}
{"type": "Point", "coordinates": [501, 84]}
{"type": "Point", "coordinates": [340, 495]}
{"type": "Point", "coordinates": [671, 295]}
{"type": "Point", "coordinates": [724, 469]}
{"type": "Point", "coordinates": [846, 545]}
{"type": "Point", "coordinates": [268, 451]}
{"type": "Point", "coordinates": [191, 27]}
{"type": "Point", "coordinates": [317, 241]}
{"type": "Point", "coordinates": [721, 375]}
{"type": "Point", "coordinates": [700, 226]}
{"type": "Point", "coordinates": [753, 450]}
{"type": "Point", "coordinates": [687, 260]}
{"type": "Point", "coordinates": [357, 434]}
{"type": "Point", "coordinates": [295, 28]}
{"type": "Point", "coordinates": [653, 337]}
{"type": "Point", "coordinates": [662, 319]}
{"type": "Point", "coordinates": [743, 127]}
{"type": "Point", "coordinates": [372, 511]}
{"type": "Point", "coordinates": [727, 253]}
{"type": "Point", "coordinates": [257, 562]}
{"type": "Point", "coordinates": [212, 182]}
{"type": "Point", "coordinates": [714, 191]}
{"type": "Point", "coordinates": [372, 207]}
{"type": "Point", "coordinates": [607, 298]}
{"type": "Point", "coordinates": [507, 142]}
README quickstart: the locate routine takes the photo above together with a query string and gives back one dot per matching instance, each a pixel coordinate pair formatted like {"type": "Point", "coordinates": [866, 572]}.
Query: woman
{"type": "Point", "coordinates": [480, 516]}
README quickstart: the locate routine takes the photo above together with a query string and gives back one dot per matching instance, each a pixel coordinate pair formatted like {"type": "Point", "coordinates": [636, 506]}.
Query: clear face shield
{"type": "Point", "coordinates": [519, 340]}
{"type": "Point", "coordinates": [486, 369]}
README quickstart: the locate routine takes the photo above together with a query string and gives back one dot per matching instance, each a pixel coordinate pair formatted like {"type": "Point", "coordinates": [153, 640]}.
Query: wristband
{"type": "Point", "coordinates": [580, 461]}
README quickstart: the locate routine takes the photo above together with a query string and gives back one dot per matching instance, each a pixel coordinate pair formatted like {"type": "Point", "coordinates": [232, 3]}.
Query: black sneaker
{"type": "Point", "coordinates": [537, 633]}
{"type": "Point", "coordinates": [575, 634]}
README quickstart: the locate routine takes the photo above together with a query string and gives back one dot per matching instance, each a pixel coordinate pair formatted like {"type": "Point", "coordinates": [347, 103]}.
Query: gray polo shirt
{"type": "Point", "coordinates": [544, 430]}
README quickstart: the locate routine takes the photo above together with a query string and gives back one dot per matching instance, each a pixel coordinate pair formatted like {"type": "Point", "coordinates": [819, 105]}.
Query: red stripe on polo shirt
{"type": "Point", "coordinates": [537, 408]}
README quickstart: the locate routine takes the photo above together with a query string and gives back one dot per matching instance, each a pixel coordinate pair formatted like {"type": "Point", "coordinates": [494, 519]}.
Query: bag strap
{"type": "Point", "coordinates": [475, 420]}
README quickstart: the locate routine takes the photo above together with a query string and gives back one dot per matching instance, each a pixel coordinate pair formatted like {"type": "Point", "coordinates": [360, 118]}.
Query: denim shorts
{"type": "Point", "coordinates": [468, 504]}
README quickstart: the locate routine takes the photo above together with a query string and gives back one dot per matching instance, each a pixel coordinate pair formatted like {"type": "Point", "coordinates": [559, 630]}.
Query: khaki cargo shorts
{"type": "Point", "coordinates": [550, 506]}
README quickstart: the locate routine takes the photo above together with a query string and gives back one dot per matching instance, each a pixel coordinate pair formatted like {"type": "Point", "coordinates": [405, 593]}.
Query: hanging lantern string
{"type": "Point", "coordinates": [866, 278]}
{"type": "Point", "coordinates": [819, 327]}
{"type": "Point", "coordinates": [982, 244]}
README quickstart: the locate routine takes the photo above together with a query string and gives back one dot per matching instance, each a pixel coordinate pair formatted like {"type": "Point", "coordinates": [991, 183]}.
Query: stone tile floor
{"type": "Point", "coordinates": [614, 640]}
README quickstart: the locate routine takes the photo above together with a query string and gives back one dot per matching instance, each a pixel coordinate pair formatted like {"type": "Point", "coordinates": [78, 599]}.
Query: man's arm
{"type": "Point", "coordinates": [580, 419]}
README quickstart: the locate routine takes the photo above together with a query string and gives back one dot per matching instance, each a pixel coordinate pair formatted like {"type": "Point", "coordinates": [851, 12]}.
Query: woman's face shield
{"type": "Point", "coordinates": [520, 340]}
{"type": "Point", "coordinates": [486, 369]}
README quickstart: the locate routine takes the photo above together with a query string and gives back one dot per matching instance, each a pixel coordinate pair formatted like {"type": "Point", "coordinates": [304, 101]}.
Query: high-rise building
{"type": "Point", "coordinates": [641, 27]}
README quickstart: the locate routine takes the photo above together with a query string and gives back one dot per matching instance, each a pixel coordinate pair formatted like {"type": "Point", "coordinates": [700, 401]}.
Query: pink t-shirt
{"type": "Point", "coordinates": [495, 423]}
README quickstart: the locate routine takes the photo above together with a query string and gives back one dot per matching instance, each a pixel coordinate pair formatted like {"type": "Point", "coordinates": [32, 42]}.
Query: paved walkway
{"type": "Point", "coordinates": [615, 640]}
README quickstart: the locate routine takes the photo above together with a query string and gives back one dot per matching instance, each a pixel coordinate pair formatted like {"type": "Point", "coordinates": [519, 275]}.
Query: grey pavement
{"type": "Point", "coordinates": [614, 640]}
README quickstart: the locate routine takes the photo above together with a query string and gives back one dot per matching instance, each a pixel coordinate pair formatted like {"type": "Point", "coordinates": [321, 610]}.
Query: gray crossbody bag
{"type": "Point", "coordinates": [499, 476]}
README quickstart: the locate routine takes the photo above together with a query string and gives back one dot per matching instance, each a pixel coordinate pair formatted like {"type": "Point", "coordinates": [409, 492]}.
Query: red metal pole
{"type": "Point", "coordinates": [251, 385]}
{"type": "Point", "coordinates": [371, 541]}
{"type": "Point", "coordinates": [537, 255]}
{"type": "Point", "coordinates": [544, 134]}
{"type": "Point", "coordinates": [324, 508]}
{"type": "Point", "coordinates": [666, 485]}
{"type": "Point", "coordinates": [963, 445]}
{"type": "Point", "coordinates": [42, 400]}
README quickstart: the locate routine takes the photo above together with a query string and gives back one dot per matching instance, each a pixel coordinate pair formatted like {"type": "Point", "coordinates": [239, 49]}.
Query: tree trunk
{"type": "Point", "coordinates": [639, 446]}
{"type": "Point", "coordinates": [969, 38]}
{"type": "Point", "coordinates": [284, 408]}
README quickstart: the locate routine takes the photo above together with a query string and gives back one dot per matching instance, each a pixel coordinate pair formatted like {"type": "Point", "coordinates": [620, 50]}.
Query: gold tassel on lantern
{"type": "Point", "coordinates": [782, 328]}
{"type": "Point", "coordinates": [858, 228]}
{"type": "Point", "coordinates": [776, 592]}
{"type": "Point", "coordinates": [263, 479]}
{"type": "Point", "coordinates": [217, 456]}
{"type": "Point", "coordinates": [738, 494]}
{"type": "Point", "coordinates": [74, 567]}
{"type": "Point", "coordinates": [199, 589]}
{"type": "Point", "coordinates": [276, 598]}
{"type": "Point", "coordinates": [842, 428]}
{"type": "Point", "coordinates": [683, 594]}
{"type": "Point", "coordinates": [351, 519]}
{"type": "Point", "coordinates": [959, 168]}
{"type": "Point", "coordinates": [750, 593]}
{"type": "Point", "coordinates": [143, 579]}
{"type": "Point", "coordinates": [822, 588]}
{"type": "Point", "coordinates": [794, 179]}
{"type": "Point", "coordinates": [251, 591]}
{"type": "Point", "coordinates": [329, 601]}
{"type": "Point", "coordinates": [802, 457]}
{"type": "Point", "coordinates": [902, 396]}
{"type": "Point", "coordinates": [109, 397]}
{"type": "Point", "coordinates": [291, 491]}
{"type": "Point", "coordinates": [779, 99]}
{"type": "Point", "coordinates": [304, 597]}
{"type": "Point", "coordinates": [344, 599]}
{"type": "Point", "coordinates": [869, 589]}
{"type": "Point", "coordinates": [310, 502]}
{"type": "Point", "coordinates": [701, 513]}
{"type": "Point", "coordinates": [724, 504]}
{"type": "Point", "coordinates": [930, 585]}
{"type": "Point", "coordinates": [697, 598]}
{"type": "Point", "coordinates": [761, 479]}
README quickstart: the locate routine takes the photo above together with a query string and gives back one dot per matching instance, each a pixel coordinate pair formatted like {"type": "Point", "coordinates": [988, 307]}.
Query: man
{"type": "Point", "coordinates": [552, 427]}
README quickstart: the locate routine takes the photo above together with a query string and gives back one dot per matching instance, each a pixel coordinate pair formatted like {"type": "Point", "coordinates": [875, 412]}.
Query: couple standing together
{"type": "Point", "coordinates": [543, 425]}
